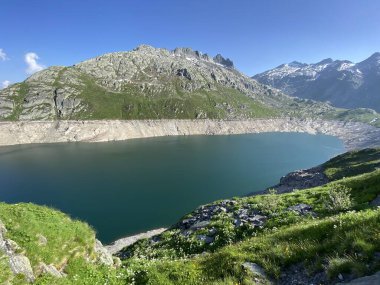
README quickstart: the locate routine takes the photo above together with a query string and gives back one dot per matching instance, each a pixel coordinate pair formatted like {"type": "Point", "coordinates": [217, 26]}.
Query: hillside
{"type": "Point", "coordinates": [341, 82]}
{"type": "Point", "coordinates": [151, 83]}
{"type": "Point", "coordinates": [322, 234]}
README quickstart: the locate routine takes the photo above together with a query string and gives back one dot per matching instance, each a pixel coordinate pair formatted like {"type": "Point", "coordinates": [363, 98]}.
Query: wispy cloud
{"type": "Point", "coordinates": [5, 83]}
{"type": "Point", "coordinates": [31, 59]}
{"type": "Point", "coordinates": [3, 55]}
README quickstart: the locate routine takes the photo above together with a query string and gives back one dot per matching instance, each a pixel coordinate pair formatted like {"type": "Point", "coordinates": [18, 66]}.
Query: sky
{"type": "Point", "coordinates": [256, 34]}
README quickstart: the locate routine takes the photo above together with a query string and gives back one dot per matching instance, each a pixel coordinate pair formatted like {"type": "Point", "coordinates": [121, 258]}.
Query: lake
{"type": "Point", "coordinates": [123, 188]}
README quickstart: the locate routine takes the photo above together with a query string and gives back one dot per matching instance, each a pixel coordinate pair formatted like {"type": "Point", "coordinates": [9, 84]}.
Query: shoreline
{"type": "Point", "coordinates": [353, 134]}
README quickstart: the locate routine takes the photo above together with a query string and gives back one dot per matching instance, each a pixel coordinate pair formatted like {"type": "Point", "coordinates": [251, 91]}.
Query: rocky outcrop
{"type": "Point", "coordinates": [119, 244]}
{"type": "Point", "coordinates": [18, 263]}
{"type": "Point", "coordinates": [103, 255]}
{"type": "Point", "coordinates": [354, 135]}
{"type": "Point", "coordinates": [301, 179]}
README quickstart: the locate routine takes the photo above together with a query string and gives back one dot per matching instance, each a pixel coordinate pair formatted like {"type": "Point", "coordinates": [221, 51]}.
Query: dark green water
{"type": "Point", "coordinates": [122, 188]}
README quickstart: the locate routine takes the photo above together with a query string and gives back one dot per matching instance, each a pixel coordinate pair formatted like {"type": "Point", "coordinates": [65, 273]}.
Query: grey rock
{"type": "Point", "coordinates": [376, 202]}
{"type": "Point", "coordinates": [200, 225]}
{"type": "Point", "coordinates": [103, 255]}
{"type": "Point", "coordinates": [51, 270]}
{"type": "Point", "coordinates": [42, 240]}
{"type": "Point", "coordinates": [302, 209]}
{"type": "Point", "coordinates": [301, 179]}
{"type": "Point", "coordinates": [223, 61]}
{"type": "Point", "coordinates": [20, 264]}
{"type": "Point", "coordinates": [367, 280]}
{"type": "Point", "coordinates": [254, 269]}
{"type": "Point", "coordinates": [205, 238]}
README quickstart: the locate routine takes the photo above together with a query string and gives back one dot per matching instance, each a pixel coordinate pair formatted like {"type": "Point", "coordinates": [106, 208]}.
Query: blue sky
{"type": "Point", "coordinates": [255, 34]}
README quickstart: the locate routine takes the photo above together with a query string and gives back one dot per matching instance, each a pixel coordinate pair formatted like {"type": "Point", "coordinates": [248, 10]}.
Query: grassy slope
{"type": "Point", "coordinates": [69, 244]}
{"type": "Point", "coordinates": [132, 103]}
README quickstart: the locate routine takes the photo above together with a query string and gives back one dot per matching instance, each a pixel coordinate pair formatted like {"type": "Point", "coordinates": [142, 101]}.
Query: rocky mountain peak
{"type": "Point", "coordinates": [372, 62]}
{"type": "Point", "coordinates": [325, 61]}
{"type": "Point", "coordinates": [297, 64]}
{"type": "Point", "coordinates": [223, 61]}
{"type": "Point", "coordinates": [340, 82]}
{"type": "Point", "coordinates": [190, 53]}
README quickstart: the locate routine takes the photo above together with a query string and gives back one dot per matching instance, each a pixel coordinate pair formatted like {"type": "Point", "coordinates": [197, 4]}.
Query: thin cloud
{"type": "Point", "coordinates": [31, 59]}
{"type": "Point", "coordinates": [5, 83]}
{"type": "Point", "coordinates": [3, 55]}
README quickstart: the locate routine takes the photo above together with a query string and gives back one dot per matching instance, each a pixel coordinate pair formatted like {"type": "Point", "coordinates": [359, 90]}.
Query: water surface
{"type": "Point", "coordinates": [123, 188]}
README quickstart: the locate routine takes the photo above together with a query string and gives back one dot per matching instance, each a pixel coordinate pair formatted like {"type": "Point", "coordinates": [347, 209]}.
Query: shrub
{"type": "Point", "coordinates": [338, 198]}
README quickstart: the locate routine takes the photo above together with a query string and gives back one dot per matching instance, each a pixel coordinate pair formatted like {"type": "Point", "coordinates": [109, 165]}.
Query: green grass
{"type": "Point", "coordinates": [70, 245]}
{"type": "Point", "coordinates": [132, 103]}
{"type": "Point", "coordinates": [339, 244]}
{"type": "Point", "coordinates": [65, 238]}
{"type": "Point", "coordinates": [358, 115]}
{"type": "Point", "coordinates": [352, 163]}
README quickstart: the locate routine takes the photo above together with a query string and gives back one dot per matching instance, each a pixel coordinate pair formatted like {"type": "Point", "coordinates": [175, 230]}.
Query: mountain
{"type": "Point", "coordinates": [340, 82]}
{"type": "Point", "coordinates": [148, 83]}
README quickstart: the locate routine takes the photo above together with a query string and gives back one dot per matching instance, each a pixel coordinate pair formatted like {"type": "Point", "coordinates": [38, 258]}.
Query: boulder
{"type": "Point", "coordinates": [20, 264]}
{"type": "Point", "coordinates": [367, 280]}
{"type": "Point", "coordinates": [50, 269]}
{"type": "Point", "coordinates": [104, 256]}
{"type": "Point", "coordinates": [254, 269]}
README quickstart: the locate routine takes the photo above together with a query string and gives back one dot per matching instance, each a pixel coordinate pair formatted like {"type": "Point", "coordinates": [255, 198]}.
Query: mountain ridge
{"type": "Point", "coordinates": [342, 83]}
{"type": "Point", "coordinates": [147, 83]}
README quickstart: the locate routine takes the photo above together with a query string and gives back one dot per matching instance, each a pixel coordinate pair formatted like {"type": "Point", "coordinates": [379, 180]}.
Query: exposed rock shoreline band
{"type": "Point", "coordinates": [354, 135]}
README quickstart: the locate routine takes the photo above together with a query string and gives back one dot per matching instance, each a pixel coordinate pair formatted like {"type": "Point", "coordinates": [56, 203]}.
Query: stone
{"type": "Point", "coordinates": [302, 209]}
{"type": "Point", "coordinates": [50, 269]}
{"type": "Point", "coordinates": [103, 255]}
{"type": "Point", "coordinates": [206, 239]}
{"type": "Point", "coordinates": [254, 269]}
{"type": "Point", "coordinates": [20, 264]}
{"type": "Point", "coordinates": [200, 225]}
{"type": "Point", "coordinates": [367, 280]}
{"type": "Point", "coordinates": [42, 240]}
{"type": "Point", "coordinates": [375, 202]}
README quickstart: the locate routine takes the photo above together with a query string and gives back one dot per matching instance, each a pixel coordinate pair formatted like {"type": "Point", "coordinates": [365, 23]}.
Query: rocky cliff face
{"type": "Point", "coordinates": [147, 83]}
{"type": "Point", "coordinates": [341, 82]}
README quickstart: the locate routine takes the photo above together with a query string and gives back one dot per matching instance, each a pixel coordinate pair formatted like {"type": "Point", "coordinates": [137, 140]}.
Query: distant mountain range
{"type": "Point", "coordinates": [341, 82]}
{"type": "Point", "coordinates": [156, 83]}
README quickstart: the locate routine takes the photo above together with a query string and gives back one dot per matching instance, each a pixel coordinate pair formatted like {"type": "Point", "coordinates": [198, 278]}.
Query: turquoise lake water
{"type": "Point", "coordinates": [123, 188]}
